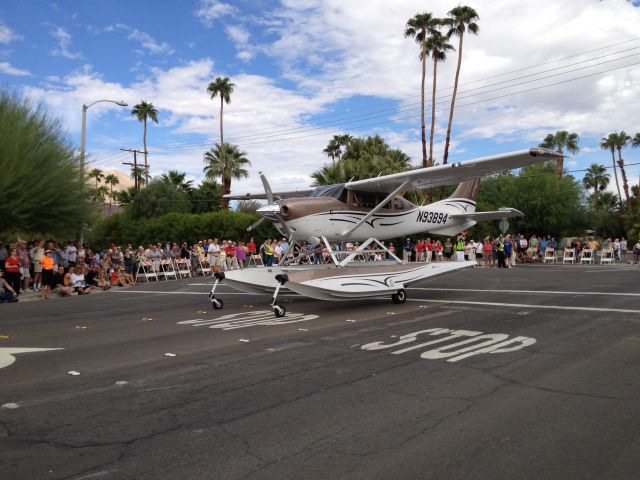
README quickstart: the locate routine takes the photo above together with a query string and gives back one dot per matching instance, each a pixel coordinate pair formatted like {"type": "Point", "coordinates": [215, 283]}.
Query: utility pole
{"type": "Point", "coordinates": [134, 165]}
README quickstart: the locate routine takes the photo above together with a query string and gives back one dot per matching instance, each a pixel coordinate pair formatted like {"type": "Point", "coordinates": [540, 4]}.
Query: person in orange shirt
{"type": "Point", "coordinates": [47, 274]}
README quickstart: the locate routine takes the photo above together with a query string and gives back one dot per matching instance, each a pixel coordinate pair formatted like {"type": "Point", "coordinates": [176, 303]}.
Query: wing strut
{"type": "Point", "coordinates": [402, 186]}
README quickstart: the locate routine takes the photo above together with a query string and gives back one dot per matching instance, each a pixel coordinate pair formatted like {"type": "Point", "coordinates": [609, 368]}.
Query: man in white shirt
{"type": "Point", "coordinates": [78, 282]}
{"type": "Point", "coordinates": [72, 253]}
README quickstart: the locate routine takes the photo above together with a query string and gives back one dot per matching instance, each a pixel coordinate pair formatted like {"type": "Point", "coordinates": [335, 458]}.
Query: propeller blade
{"type": "Point", "coordinates": [285, 227]}
{"type": "Point", "coordinates": [267, 188]}
{"type": "Point", "coordinates": [255, 224]}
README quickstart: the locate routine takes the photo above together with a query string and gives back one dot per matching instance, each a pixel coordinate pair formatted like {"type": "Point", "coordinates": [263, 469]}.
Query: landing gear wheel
{"type": "Point", "coordinates": [279, 310]}
{"type": "Point", "coordinates": [217, 303]}
{"type": "Point", "coordinates": [399, 297]}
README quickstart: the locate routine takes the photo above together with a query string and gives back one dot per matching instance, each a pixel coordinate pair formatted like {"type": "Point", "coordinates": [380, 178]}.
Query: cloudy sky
{"type": "Point", "coordinates": [306, 70]}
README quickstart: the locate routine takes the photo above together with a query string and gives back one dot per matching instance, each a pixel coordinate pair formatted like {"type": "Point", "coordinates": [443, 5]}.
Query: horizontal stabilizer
{"type": "Point", "coordinates": [263, 196]}
{"type": "Point", "coordinates": [495, 215]}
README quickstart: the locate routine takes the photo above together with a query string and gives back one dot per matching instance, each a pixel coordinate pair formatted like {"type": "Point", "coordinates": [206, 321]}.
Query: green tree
{"type": "Point", "coordinates": [142, 111]}
{"type": "Point", "coordinates": [363, 158]}
{"type": "Point", "coordinates": [159, 198]}
{"type": "Point", "coordinates": [437, 46]}
{"type": "Point", "coordinates": [551, 206]}
{"type": "Point", "coordinates": [596, 178]}
{"type": "Point", "coordinates": [206, 197]}
{"type": "Point", "coordinates": [635, 142]}
{"type": "Point", "coordinates": [178, 180]}
{"type": "Point", "coordinates": [138, 176]}
{"type": "Point", "coordinates": [462, 19]}
{"type": "Point", "coordinates": [248, 206]}
{"type": "Point", "coordinates": [609, 143]}
{"type": "Point", "coordinates": [622, 140]}
{"type": "Point", "coordinates": [224, 88]}
{"type": "Point", "coordinates": [112, 181]}
{"type": "Point", "coordinates": [560, 141]}
{"type": "Point", "coordinates": [334, 147]}
{"type": "Point", "coordinates": [40, 186]}
{"type": "Point", "coordinates": [420, 27]}
{"type": "Point", "coordinates": [97, 175]}
{"type": "Point", "coordinates": [227, 163]}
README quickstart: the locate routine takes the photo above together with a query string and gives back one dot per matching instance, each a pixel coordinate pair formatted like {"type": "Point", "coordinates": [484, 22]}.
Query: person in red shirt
{"type": "Point", "coordinates": [12, 270]}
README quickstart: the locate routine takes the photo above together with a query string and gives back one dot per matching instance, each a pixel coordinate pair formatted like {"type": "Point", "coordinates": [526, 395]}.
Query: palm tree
{"type": "Point", "coordinates": [226, 163]}
{"type": "Point", "coordinates": [224, 88]}
{"type": "Point", "coordinates": [96, 174]}
{"type": "Point", "coordinates": [112, 181]}
{"type": "Point", "coordinates": [636, 140]}
{"type": "Point", "coordinates": [609, 143]}
{"type": "Point", "coordinates": [420, 27]}
{"type": "Point", "coordinates": [622, 140]}
{"type": "Point", "coordinates": [138, 175]}
{"type": "Point", "coordinates": [101, 192]}
{"type": "Point", "coordinates": [461, 19]}
{"type": "Point", "coordinates": [142, 111]}
{"type": "Point", "coordinates": [437, 46]}
{"type": "Point", "coordinates": [608, 201]}
{"type": "Point", "coordinates": [333, 149]}
{"type": "Point", "coordinates": [596, 178]}
{"type": "Point", "coordinates": [559, 141]}
{"type": "Point", "coordinates": [177, 179]}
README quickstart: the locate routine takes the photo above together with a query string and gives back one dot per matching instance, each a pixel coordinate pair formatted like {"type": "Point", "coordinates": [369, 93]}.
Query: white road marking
{"type": "Point", "coordinates": [234, 321]}
{"type": "Point", "coordinates": [524, 305]}
{"type": "Point", "coordinates": [7, 354]}
{"type": "Point", "coordinates": [546, 292]}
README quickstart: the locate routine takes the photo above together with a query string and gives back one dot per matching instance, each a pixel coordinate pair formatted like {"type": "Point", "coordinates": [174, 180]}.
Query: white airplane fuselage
{"type": "Point", "coordinates": [333, 224]}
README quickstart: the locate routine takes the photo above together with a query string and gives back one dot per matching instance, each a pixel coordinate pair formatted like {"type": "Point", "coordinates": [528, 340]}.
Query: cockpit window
{"type": "Point", "coordinates": [335, 191]}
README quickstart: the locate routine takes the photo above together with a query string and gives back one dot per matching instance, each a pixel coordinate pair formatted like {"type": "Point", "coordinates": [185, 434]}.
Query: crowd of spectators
{"type": "Point", "coordinates": [75, 269]}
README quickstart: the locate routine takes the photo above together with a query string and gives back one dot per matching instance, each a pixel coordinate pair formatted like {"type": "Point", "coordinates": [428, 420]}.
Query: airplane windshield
{"type": "Point", "coordinates": [335, 191]}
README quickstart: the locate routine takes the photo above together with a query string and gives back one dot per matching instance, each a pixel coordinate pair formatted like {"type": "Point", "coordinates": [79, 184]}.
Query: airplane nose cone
{"type": "Point", "coordinates": [269, 210]}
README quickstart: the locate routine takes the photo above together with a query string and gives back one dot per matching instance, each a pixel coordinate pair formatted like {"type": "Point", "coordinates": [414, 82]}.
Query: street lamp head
{"type": "Point", "coordinates": [122, 103]}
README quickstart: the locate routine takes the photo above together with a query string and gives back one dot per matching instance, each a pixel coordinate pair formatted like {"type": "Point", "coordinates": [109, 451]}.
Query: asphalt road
{"type": "Point", "coordinates": [527, 373]}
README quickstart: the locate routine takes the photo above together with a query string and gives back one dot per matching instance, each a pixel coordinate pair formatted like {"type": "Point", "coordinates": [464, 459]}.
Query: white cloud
{"type": "Point", "coordinates": [64, 42]}
{"type": "Point", "coordinates": [145, 40]}
{"type": "Point", "coordinates": [6, 68]}
{"type": "Point", "coordinates": [240, 37]}
{"type": "Point", "coordinates": [210, 10]}
{"type": "Point", "coordinates": [7, 35]}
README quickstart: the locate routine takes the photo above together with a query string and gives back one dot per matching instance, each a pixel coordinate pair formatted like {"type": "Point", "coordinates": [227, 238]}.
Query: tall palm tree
{"type": "Point", "coordinates": [142, 111]}
{"type": "Point", "coordinates": [560, 141]}
{"type": "Point", "coordinates": [462, 19]}
{"type": "Point", "coordinates": [437, 47]}
{"type": "Point", "coordinates": [178, 180]}
{"type": "Point", "coordinates": [596, 178]}
{"type": "Point", "coordinates": [112, 181]}
{"type": "Point", "coordinates": [622, 140]}
{"type": "Point", "coordinates": [609, 143]}
{"type": "Point", "coordinates": [98, 175]}
{"type": "Point", "coordinates": [333, 149]}
{"type": "Point", "coordinates": [420, 27]}
{"type": "Point", "coordinates": [226, 164]}
{"type": "Point", "coordinates": [224, 88]}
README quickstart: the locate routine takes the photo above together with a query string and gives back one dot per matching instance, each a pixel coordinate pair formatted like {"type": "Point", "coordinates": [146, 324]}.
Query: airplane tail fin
{"type": "Point", "coordinates": [467, 190]}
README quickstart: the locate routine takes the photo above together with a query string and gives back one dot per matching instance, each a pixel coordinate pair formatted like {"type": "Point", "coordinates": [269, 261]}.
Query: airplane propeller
{"type": "Point", "coordinates": [269, 194]}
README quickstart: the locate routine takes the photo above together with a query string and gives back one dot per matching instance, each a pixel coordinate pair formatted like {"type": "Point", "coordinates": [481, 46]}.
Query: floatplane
{"type": "Point", "coordinates": [369, 211]}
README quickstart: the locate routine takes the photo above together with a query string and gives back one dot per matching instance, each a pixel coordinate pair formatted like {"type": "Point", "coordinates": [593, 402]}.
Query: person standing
{"type": "Point", "coordinates": [500, 252]}
{"type": "Point", "coordinates": [72, 254]}
{"type": "Point", "coordinates": [459, 248]}
{"type": "Point", "coordinates": [406, 251]}
{"type": "Point", "coordinates": [25, 264]}
{"type": "Point", "coordinates": [37, 252]}
{"type": "Point", "coordinates": [12, 270]}
{"type": "Point", "coordinates": [47, 274]}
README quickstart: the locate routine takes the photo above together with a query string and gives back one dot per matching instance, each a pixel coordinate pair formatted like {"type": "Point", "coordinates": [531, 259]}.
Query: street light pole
{"type": "Point", "coordinates": [82, 144]}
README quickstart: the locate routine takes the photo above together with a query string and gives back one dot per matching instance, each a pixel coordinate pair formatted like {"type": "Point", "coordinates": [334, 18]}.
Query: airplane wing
{"type": "Point", "coordinates": [495, 215]}
{"type": "Point", "coordinates": [453, 173]}
{"type": "Point", "coordinates": [263, 196]}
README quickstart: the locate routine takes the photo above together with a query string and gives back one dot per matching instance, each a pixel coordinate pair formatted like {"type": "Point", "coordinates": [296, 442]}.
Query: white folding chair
{"type": "Point", "coordinates": [569, 256]}
{"type": "Point", "coordinates": [182, 267]}
{"type": "Point", "coordinates": [586, 256]}
{"type": "Point", "coordinates": [607, 256]}
{"type": "Point", "coordinates": [146, 271]}
{"type": "Point", "coordinates": [203, 265]}
{"type": "Point", "coordinates": [167, 269]}
{"type": "Point", "coordinates": [550, 256]}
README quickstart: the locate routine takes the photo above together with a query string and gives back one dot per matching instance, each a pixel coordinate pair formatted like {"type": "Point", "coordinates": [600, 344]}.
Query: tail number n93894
{"type": "Point", "coordinates": [432, 217]}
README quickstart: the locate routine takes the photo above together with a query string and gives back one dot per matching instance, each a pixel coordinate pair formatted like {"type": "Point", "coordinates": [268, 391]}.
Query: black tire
{"type": "Point", "coordinates": [399, 297]}
{"type": "Point", "coordinates": [279, 311]}
{"type": "Point", "coordinates": [217, 304]}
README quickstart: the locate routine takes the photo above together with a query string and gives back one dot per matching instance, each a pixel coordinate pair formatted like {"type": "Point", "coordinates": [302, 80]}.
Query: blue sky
{"type": "Point", "coordinates": [306, 70]}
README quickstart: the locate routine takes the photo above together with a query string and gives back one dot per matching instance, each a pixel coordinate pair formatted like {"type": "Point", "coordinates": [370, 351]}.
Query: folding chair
{"type": "Point", "coordinates": [255, 260]}
{"type": "Point", "coordinates": [167, 269]}
{"type": "Point", "coordinates": [569, 256]}
{"type": "Point", "coordinates": [586, 256]}
{"type": "Point", "coordinates": [146, 271]}
{"type": "Point", "coordinates": [607, 256]}
{"type": "Point", "coordinates": [182, 267]}
{"type": "Point", "coordinates": [204, 266]}
{"type": "Point", "coordinates": [550, 256]}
